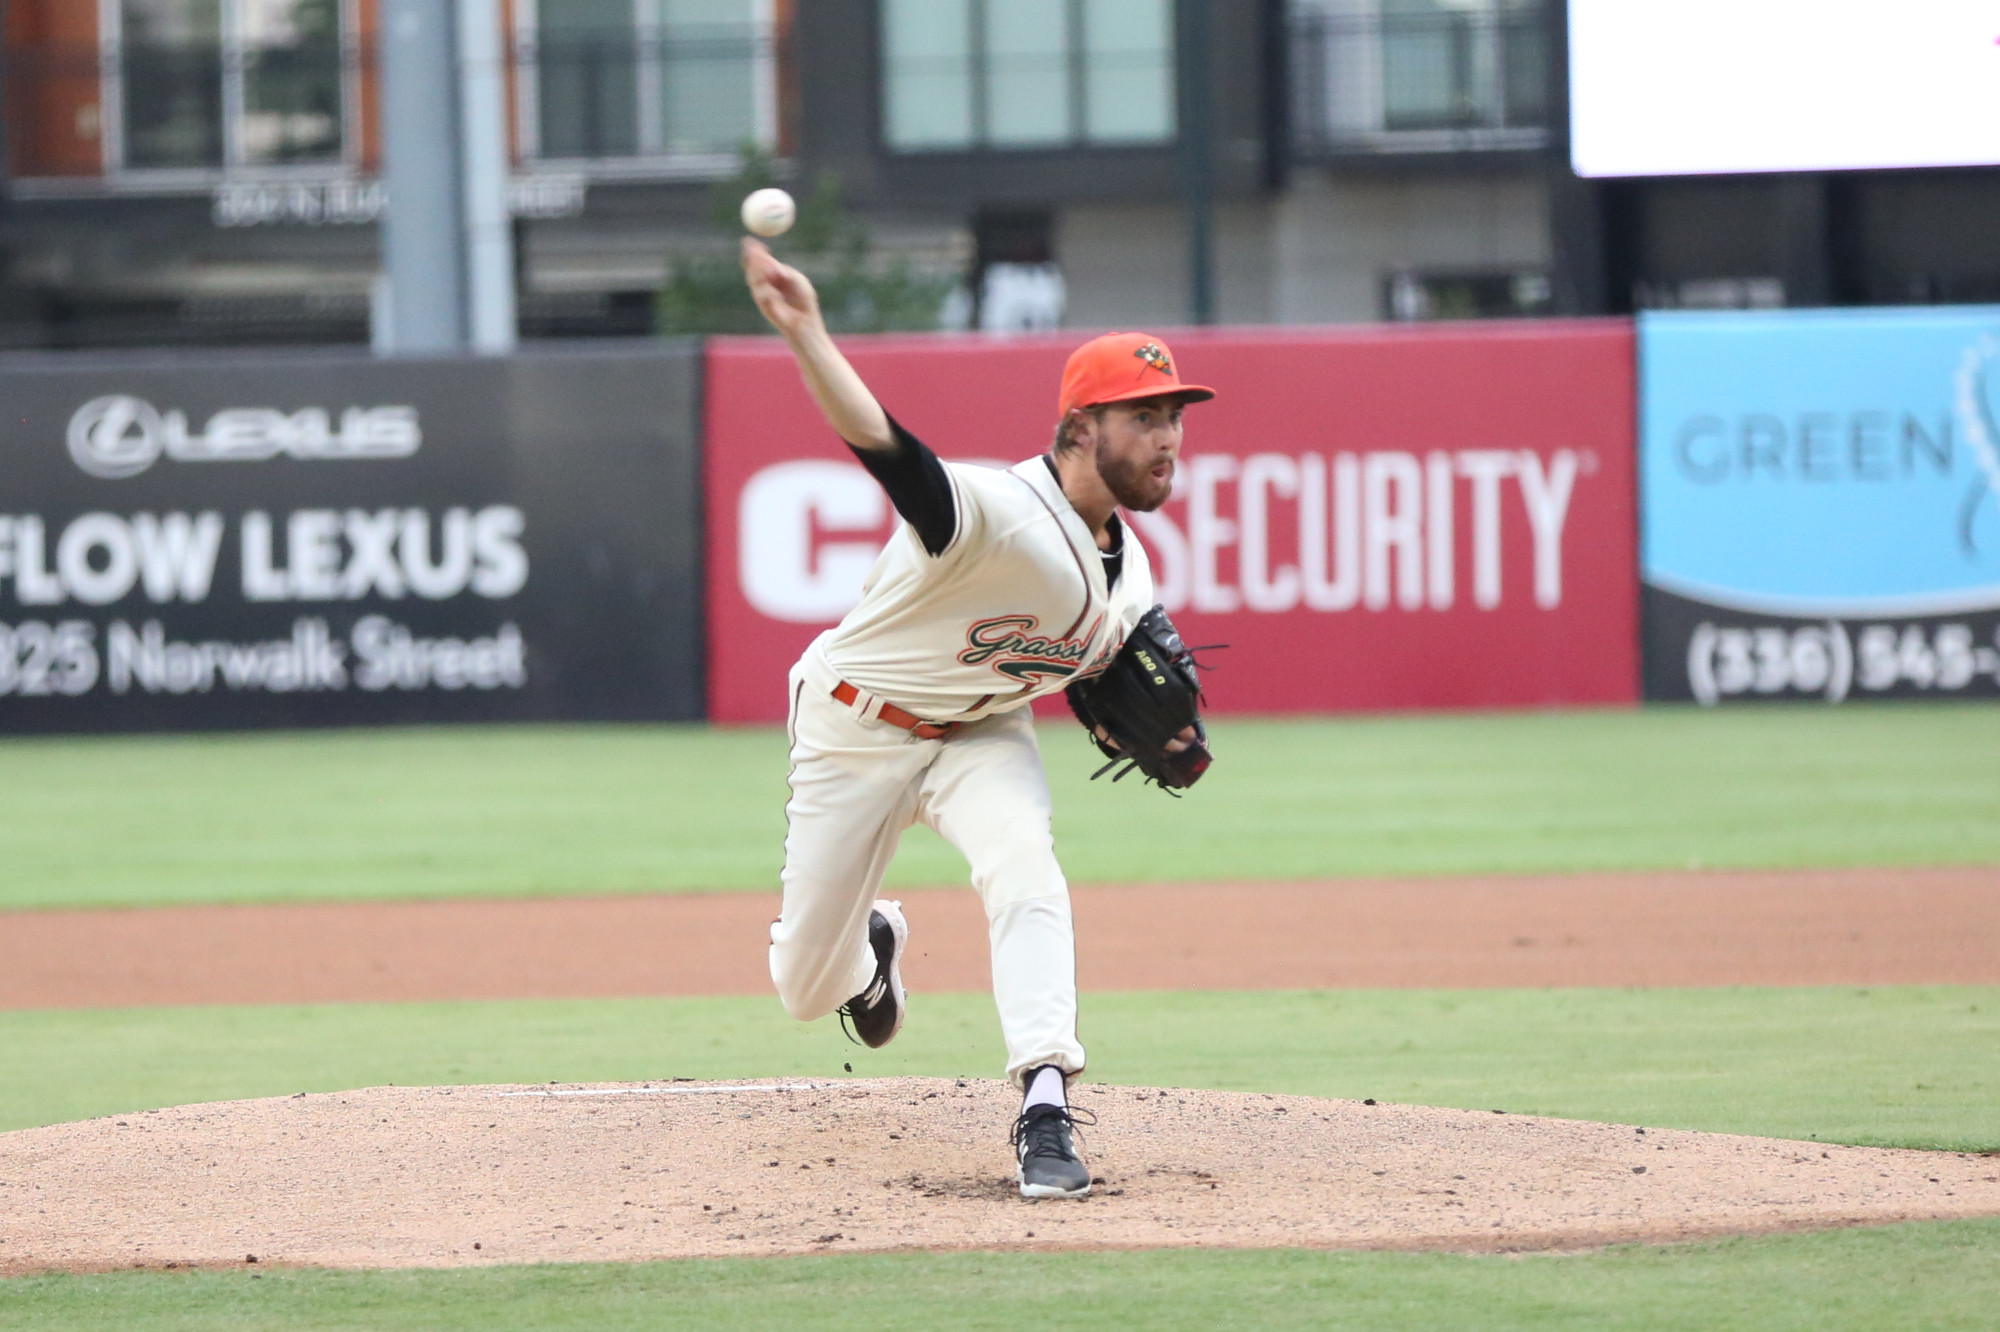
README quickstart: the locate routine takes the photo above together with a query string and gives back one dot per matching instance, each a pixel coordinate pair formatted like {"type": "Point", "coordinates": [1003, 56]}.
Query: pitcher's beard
{"type": "Point", "coordinates": [1131, 483]}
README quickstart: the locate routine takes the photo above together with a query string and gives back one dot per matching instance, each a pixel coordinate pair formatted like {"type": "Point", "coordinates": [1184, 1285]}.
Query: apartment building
{"type": "Point", "coordinates": [207, 171]}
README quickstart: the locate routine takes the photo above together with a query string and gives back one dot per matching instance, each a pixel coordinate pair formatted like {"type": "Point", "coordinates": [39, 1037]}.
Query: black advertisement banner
{"type": "Point", "coordinates": [1703, 653]}
{"type": "Point", "coordinates": [319, 538]}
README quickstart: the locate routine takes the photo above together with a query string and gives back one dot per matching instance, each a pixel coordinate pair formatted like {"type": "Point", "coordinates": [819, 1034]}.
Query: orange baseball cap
{"type": "Point", "coordinates": [1119, 367]}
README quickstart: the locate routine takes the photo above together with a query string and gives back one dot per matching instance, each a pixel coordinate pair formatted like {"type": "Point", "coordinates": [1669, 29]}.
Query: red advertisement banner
{"type": "Point", "coordinates": [1370, 518]}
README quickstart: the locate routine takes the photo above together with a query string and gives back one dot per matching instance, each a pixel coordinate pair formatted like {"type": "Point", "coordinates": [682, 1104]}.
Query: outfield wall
{"type": "Point", "coordinates": [1370, 518]}
{"type": "Point", "coordinates": [1413, 517]}
{"type": "Point", "coordinates": [1822, 500]}
{"type": "Point", "coordinates": [313, 538]}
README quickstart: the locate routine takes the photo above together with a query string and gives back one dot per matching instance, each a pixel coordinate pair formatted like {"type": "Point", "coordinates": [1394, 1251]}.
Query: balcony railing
{"type": "Point", "coordinates": [1369, 81]}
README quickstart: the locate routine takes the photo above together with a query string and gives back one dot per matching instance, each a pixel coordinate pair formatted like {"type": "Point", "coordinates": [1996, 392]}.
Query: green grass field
{"type": "Point", "coordinates": [527, 810]}
{"type": "Point", "coordinates": [1899, 1067]}
{"type": "Point", "coordinates": [510, 811]}
{"type": "Point", "coordinates": [1890, 1067]}
{"type": "Point", "coordinates": [1943, 1278]}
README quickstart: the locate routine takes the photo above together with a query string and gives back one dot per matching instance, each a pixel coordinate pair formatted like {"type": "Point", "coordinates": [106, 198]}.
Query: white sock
{"type": "Point", "coordinates": [1045, 1087]}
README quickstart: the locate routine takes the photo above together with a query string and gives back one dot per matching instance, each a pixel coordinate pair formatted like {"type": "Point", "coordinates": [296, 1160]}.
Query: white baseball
{"type": "Point", "coordinates": [768, 212]}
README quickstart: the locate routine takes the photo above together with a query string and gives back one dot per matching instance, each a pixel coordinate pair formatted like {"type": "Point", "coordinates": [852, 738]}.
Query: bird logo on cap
{"type": "Point", "coordinates": [1155, 355]}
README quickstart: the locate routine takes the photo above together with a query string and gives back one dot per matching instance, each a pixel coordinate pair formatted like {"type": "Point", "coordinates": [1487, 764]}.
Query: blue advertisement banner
{"type": "Point", "coordinates": [1820, 503]}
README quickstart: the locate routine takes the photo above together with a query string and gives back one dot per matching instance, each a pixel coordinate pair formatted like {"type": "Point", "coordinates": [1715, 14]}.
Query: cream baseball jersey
{"type": "Point", "coordinates": [1016, 605]}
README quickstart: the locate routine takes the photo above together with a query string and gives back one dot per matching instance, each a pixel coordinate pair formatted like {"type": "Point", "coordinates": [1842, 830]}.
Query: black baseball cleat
{"type": "Point", "coordinates": [1047, 1163]}
{"type": "Point", "coordinates": [874, 1016]}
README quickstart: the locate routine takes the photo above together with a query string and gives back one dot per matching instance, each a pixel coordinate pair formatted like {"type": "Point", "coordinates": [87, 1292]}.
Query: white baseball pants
{"type": "Point", "coordinates": [856, 785]}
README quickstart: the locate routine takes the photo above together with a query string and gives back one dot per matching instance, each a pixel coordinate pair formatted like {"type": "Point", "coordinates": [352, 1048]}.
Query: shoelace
{"type": "Point", "coordinates": [868, 998]}
{"type": "Point", "coordinates": [1041, 1131]}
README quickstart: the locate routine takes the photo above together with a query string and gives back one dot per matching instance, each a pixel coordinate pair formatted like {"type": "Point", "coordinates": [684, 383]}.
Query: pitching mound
{"type": "Point", "coordinates": [441, 1177]}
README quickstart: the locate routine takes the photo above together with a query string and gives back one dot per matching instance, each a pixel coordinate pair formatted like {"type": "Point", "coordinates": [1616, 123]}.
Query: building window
{"type": "Point", "coordinates": [293, 77]}
{"type": "Point", "coordinates": [170, 66]}
{"type": "Point", "coordinates": [1409, 297]}
{"type": "Point", "coordinates": [208, 84]}
{"type": "Point", "coordinates": [961, 74]}
{"type": "Point", "coordinates": [646, 79]}
{"type": "Point", "coordinates": [1419, 75]}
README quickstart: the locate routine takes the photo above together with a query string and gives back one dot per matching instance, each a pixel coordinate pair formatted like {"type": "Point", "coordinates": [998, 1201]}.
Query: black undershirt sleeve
{"type": "Point", "coordinates": [1114, 559]}
{"type": "Point", "coordinates": [918, 486]}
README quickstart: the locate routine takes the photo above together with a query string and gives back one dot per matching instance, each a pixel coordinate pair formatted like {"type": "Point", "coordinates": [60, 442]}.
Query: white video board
{"type": "Point", "coordinates": [1697, 87]}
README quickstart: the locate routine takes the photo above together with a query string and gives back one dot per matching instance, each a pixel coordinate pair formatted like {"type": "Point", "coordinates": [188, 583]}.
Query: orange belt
{"type": "Point", "coordinates": [845, 694]}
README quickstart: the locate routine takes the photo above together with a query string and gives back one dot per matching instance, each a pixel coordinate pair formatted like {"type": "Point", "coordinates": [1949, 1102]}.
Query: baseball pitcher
{"type": "Point", "coordinates": [998, 588]}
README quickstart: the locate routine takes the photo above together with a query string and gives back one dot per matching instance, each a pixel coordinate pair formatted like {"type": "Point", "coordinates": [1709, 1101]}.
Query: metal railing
{"type": "Point", "coordinates": [1367, 81]}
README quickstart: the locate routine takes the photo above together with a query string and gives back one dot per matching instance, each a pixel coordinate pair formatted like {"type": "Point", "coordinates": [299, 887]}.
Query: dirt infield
{"type": "Point", "coordinates": [467, 1176]}
{"type": "Point", "coordinates": [400, 1177]}
{"type": "Point", "coordinates": [1793, 927]}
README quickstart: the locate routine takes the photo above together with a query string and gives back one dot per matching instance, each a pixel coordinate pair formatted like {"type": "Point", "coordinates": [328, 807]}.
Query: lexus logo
{"type": "Point", "coordinates": [119, 435]}
{"type": "Point", "coordinates": [114, 436]}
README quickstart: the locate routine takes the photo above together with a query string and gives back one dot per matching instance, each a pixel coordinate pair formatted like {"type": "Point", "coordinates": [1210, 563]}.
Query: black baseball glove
{"type": "Point", "coordinates": [1145, 698]}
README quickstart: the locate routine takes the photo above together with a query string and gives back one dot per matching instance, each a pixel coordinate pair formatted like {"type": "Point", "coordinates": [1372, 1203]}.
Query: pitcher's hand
{"type": "Point", "coordinates": [784, 294]}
